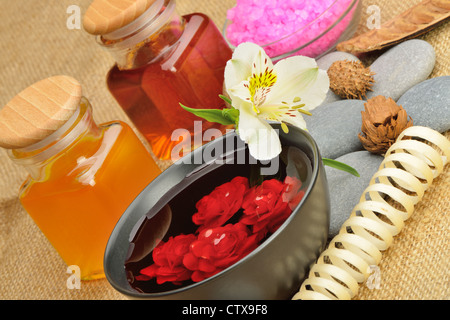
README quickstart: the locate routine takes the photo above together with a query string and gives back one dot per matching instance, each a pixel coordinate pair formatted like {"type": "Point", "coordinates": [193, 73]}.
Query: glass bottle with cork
{"type": "Point", "coordinates": [82, 176]}
{"type": "Point", "coordinates": [162, 60]}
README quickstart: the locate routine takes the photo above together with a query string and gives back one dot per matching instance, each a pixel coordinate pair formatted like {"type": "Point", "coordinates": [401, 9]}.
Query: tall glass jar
{"type": "Point", "coordinates": [82, 176]}
{"type": "Point", "coordinates": [162, 60]}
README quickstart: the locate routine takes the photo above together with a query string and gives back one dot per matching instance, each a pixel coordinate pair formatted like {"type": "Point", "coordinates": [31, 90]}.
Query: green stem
{"type": "Point", "coordinates": [340, 166]}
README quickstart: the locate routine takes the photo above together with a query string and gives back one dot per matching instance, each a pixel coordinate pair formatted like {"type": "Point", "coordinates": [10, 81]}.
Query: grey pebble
{"type": "Point", "coordinates": [402, 67]}
{"type": "Point", "coordinates": [400, 74]}
{"type": "Point", "coordinates": [428, 103]}
{"type": "Point", "coordinates": [327, 60]}
{"type": "Point", "coordinates": [346, 189]}
{"type": "Point", "coordinates": [335, 127]}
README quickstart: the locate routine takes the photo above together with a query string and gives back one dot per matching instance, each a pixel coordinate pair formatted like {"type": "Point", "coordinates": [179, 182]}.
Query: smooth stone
{"type": "Point", "coordinates": [330, 98]}
{"type": "Point", "coordinates": [335, 127]}
{"type": "Point", "coordinates": [325, 62]}
{"type": "Point", "coordinates": [402, 67]}
{"type": "Point", "coordinates": [428, 103]}
{"type": "Point", "coordinates": [346, 189]}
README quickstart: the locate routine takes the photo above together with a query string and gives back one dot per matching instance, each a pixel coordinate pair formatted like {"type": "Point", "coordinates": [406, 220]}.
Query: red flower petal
{"type": "Point", "coordinates": [217, 249]}
{"type": "Point", "coordinates": [206, 265]}
{"type": "Point", "coordinates": [265, 209]}
{"type": "Point", "coordinates": [142, 277]}
{"type": "Point", "coordinates": [150, 271]}
{"type": "Point", "coordinates": [293, 195]}
{"type": "Point", "coordinates": [218, 246]}
{"type": "Point", "coordinates": [221, 204]}
{"type": "Point", "coordinates": [190, 261]}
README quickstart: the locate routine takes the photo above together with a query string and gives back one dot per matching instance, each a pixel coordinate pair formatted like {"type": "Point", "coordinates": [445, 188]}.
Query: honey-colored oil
{"type": "Point", "coordinates": [82, 192]}
{"type": "Point", "coordinates": [191, 72]}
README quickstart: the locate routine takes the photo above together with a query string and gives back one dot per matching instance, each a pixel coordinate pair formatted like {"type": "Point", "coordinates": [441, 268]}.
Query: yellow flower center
{"type": "Point", "coordinates": [260, 85]}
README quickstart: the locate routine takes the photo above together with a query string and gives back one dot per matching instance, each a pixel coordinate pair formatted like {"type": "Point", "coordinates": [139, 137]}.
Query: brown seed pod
{"type": "Point", "coordinates": [409, 24]}
{"type": "Point", "coordinates": [350, 79]}
{"type": "Point", "coordinates": [382, 122]}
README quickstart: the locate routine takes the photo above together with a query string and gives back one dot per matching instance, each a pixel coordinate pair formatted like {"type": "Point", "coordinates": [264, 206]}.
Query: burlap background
{"type": "Point", "coordinates": [35, 43]}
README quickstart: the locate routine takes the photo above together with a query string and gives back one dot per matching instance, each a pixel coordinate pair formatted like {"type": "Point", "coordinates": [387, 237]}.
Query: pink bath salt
{"type": "Point", "coordinates": [289, 23]}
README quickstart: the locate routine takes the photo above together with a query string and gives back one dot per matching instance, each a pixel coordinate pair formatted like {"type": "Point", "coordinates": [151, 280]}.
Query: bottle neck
{"type": "Point", "coordinates": [36, 158]}
{"type": "Point", "coordinates": [147, 38]}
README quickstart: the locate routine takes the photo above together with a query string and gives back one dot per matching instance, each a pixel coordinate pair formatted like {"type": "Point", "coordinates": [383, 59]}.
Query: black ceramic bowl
{"type": "Point", "coordinates": [274, 270]}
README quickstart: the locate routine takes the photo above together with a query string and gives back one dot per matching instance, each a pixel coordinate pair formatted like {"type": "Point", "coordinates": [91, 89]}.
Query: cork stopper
{"type": "Point", "coordinates": [105, 16]}
{"type": "Point", "coordinates": [38, 111]}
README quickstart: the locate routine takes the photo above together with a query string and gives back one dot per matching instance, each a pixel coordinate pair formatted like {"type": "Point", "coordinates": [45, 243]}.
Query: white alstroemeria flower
{"type": "Point", "coordinates": [265, 92]}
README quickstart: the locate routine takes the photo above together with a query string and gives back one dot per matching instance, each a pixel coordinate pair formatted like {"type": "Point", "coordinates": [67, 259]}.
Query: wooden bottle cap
{"type": "Point", "coordinates": [38, 111]}
{"type": "Point", "coordinates": [105, 16]}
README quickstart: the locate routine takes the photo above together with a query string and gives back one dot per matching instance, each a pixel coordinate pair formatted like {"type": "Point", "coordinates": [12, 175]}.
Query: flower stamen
{"type": "Point", "coordinates": [263, 91]}
{"type": "Point", "coordinates": [260, 86]}
{"type": "Point", "coordinates": [304, 112]}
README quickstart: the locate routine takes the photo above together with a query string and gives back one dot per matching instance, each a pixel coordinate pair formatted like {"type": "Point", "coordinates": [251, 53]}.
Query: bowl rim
{"type": "Point", "coordinates": [109, 251]}
{"type": "Point", "coordinates": [352, 5]}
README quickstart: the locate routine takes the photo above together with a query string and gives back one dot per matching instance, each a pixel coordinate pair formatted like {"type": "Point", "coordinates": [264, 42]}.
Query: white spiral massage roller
{"type": "Point", "coordinates": [408, 169]}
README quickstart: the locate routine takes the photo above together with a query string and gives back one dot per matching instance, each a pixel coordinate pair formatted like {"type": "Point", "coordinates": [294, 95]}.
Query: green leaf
{"type": "Point", "coordinates": [340, 166]}
{"type": "Point", "coordinates": [213, 115]}
{"type": "Point", "coordinates": [231, 114]}
{"type": "Point", "coordinates": [226, 99]}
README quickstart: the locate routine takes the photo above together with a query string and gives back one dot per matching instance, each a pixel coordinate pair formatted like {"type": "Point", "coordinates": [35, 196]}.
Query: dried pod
{"type": "Point", "coordinates": [410, 24]}
{"type": "Point", "coordinates": [382, 122]}
{"type": "Point", "coordinates": [350, 79]}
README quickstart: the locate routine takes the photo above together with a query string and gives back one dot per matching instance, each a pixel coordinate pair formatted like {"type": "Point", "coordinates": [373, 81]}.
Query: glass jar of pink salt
{"type": "Point", "coordinates": [289, 27]}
